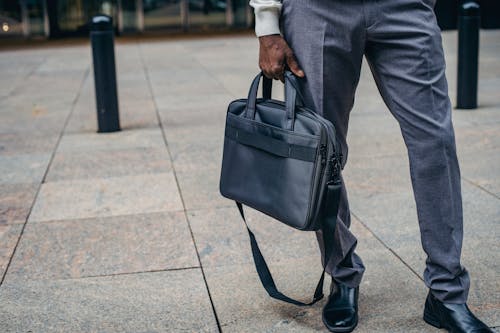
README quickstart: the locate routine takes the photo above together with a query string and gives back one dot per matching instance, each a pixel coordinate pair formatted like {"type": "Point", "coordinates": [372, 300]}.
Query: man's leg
{"type": "Point", "coordinates": [327, 38]}
{"type": "Point", "coordinates": [405, 53]}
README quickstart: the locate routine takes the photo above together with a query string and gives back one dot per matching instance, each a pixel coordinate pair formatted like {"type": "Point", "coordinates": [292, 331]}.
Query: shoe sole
{"type": "Point", "coordinates": [340, 329]}
{"type": "Point", "coordinates": [431, 320]}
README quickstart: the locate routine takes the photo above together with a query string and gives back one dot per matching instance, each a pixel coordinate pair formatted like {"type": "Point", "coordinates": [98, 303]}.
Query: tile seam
{"type": "Point", "coordinates": [160, 124]}
{"type": "Point", "coordinates": [61, 134]}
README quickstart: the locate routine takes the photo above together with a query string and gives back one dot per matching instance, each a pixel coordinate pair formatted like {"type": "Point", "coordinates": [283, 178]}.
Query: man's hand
{"type": "Point", "coordinates": [274, 54]}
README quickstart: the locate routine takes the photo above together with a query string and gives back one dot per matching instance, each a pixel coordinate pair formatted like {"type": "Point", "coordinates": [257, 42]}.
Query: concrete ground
{"type": "Point", "coordinates": [127, 232]}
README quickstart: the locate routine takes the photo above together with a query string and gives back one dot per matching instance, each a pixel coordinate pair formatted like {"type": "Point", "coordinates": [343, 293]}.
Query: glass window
{"type": "Point", "coordinates": [207, 13]}
{"type": "Point", "coordinates": [10, 18]}
{"type": "Point", "coordinates": [74, 15]}
{"type": "Point", "coordinates": [129, 15]}
{"type": "Point", "coordinates": [36, 16]}
{"type": "Point", "coordinates": [240, 10]}
{"type": "Point", "coordinates": [161, 14]}
{"type": "Point", "coordinates": [71, 15]}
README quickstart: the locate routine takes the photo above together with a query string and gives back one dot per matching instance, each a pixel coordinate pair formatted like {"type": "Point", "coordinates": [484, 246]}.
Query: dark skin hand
{"type": "Point", "coordinates": [275, 55]}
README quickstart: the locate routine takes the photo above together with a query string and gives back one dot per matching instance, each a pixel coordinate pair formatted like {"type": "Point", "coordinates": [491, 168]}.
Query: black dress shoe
{"type": "Point", "coordinates": [340, 313]}
{"type": "Point", "coordinates": [456, 318]}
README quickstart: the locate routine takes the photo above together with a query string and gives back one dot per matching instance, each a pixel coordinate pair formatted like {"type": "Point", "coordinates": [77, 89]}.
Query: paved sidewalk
{"type": "Point", "coordinates": [126, 232]}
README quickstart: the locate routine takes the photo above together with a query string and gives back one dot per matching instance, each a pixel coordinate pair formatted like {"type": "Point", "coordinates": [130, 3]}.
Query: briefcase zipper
{"type": "Point", "coordinates": [337, 153]}
{"type": "Point", "coordinates": [336, 148]}
{"type": "Point", "coordinates": [322, 151]}
{"type": "Point", "coordinates": [334, 170]}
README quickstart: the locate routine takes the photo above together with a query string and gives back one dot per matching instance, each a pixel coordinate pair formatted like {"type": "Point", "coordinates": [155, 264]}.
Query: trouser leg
{"type": "Point", "coordinates": [327, 38]}
{"type": "Point", "coordinates": [405, 53]}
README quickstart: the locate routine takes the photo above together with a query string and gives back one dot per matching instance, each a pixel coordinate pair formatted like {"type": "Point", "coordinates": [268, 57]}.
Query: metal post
{"type": "Point", "coordinates": [185, 15]}
{"type": "Point", "coordinates": [229, 13]}
{"type": "Point", "coordinates": [102, 40]}
{"type": "Point", "coordinates": [140, 15]}
{"type": "Point", "coordinates": [25, 17]}
{"type": "Point", "coordinates": [119, 16]}
{"type": "Point", "coordinates": [468, 51]}
{"type": "Point", "coordinates": [249, 15]}
{"type": "Point", "coordinates": [46, 25]}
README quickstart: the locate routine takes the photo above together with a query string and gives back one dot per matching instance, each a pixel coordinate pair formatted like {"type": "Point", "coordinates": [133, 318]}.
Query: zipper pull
{"type": "Point", "coordinates": [322, 151]}
{"type": "Point", "coordinates": [334, 168]}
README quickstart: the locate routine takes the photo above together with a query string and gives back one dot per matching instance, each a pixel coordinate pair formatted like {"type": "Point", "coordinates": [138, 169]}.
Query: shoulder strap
{"type": "Point", "coordinates": [330, 220]}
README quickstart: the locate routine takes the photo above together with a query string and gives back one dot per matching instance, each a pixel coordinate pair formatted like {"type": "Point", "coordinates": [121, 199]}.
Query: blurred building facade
{"type": "Point", "coordinates": [60, 18]}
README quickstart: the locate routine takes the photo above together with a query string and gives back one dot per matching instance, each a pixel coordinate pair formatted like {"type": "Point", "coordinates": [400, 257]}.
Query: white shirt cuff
{"type": "Point", "coordinates": [267, 21]}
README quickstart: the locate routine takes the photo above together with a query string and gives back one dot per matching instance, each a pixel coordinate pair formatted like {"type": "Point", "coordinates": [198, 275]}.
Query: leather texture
{"type": "Point", "coordinates": [455, 318]}
{"type": "Point", "coordinates": [283, 160]}
{"type": "Point", "coordinates": [280, 157]}
{"type": "Point", "coordinates": [340, 313]}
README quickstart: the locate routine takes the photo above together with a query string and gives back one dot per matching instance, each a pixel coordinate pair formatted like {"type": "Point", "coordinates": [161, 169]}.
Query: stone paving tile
{"type": "Point", "coordinates": [15, 202]}
{"type": "Point", "coordinates": [192, 97]}
{"type": "Point", "coordinates": [44, 105]}
{"type": "Point", "coordinates": [106, 164]}
{"type": "Point", "coordinates": [135, 105]}
{"type": "Point", "coordinates": [208, 52]}
{"type": "Point", "coordinates": [242, 304]}
{"type": "Point", "coordinates": [234, 84]}
{"type": "Point", "coordinates": [103, 246]}
{"type": "Point", "coordinates": [23, 168]}
{"type": "Point", "coordinates": [161, 56]}
{"type": "Point", "coordinates": [195, 153]}
{"type": "Point", "coordinates": [63, 60]}
{"type": "Point", "coordinates": [150, 138]}
{"type": "Point", "coordinates": [9, 235]}
{"type": "Point", "coordinates": [377, 175]}
{"type": "Point", "coordinates": [183, 107]}
{"type": "Point", "coordinates": [201, 189]}
{"type": "Point", "coordinates": [484, 173]}
{"type": "Point", "coordinates": [476, 138]}
{"type": "Point", "coordinates": [106, 197]}
{"type": "Point", "coordinates": [60, 97]}
{"type": "Point", "coordinates": [197, 156]}
{"type": "Point", "coordinates": [209, 116]}
{"type": "Point", "coordinates": [183, 81]}
{"type": "Point", "coordinates": [481, 213]}
{"type": "Point", "coordinates": [483, 270]}
{"type": "Point", "coordinates": [480, 164]}
{"type": "Point", "coordinates": [222, 238]}
{"type": "Point", "coordinates": [393, 218]}
{"type": "Point", "coordinates": [51, 84]}
{"type": "Point", "coordinates": [490, 185]}
{"type": "Point", "coordinates": [16, 67]}
{"type": "Point", "coordinates": [192, 157]}
{"type": "Point", "coordinates": [374, 135]}
{"type": "Point", "coordinates": [15, 143]}
{"type": "Point", "coordinates": [192, 126]}
{"type": "Point", "coordinates": [34, 120]}
{"type": "Point", "coordinates": [236, 78]}
{"type": "Point", "coordinates": [483, 265]}
{"type": "Point", "coordinates": [133, 86]}
{"type": "Point", "coordinates": [172, 301]}
{"type": "Point", "coordinates": [485, 115]}
{"type": "Point", "coordinates": [136, 114]}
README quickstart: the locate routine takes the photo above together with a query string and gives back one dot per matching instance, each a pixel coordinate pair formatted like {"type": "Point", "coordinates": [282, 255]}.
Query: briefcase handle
{"type": "Point", "coordinates": [267, 87]}
{"type": "Point", "coordinates": [292, 97]}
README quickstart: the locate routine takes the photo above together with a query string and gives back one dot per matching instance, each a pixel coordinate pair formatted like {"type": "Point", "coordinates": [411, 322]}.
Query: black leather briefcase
{"type": "Point", "coordinates": [282, 159]}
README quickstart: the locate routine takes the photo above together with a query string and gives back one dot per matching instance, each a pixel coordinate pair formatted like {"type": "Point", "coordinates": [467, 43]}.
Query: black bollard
{"type": "Point", "coordinates": [468, 51]}
{"type": "Point", "coordinates": [102, 40]}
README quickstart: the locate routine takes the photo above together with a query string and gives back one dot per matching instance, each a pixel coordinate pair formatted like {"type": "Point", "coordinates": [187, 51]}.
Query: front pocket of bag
{"type": "Point", "coordinates": [275, 185]}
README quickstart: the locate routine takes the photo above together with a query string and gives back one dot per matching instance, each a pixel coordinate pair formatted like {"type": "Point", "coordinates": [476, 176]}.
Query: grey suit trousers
{"type": "Point", "coordinates": [402, 44]}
